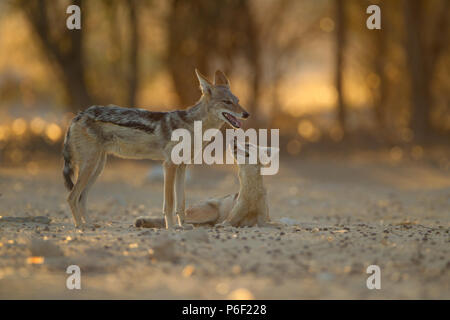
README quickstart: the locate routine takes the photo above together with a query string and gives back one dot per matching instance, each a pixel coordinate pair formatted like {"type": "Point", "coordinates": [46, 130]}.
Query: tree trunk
{"type": "Point", "coordinates": [133, 58]}
{"type": "Point", "coordinates": [417, 65]}
{"type": "Point", "coordinates": [381, 91]}
{"type": "Point", "coordinates": [66, 49]}
{"type": "Point", "coordinates": [73, 74]}
{"type": "Point", "coordinates": [186, 49]}
{"type": "Point", "coordinates": [202, 33]}
{"type": "Point", "coordinates": [340, 45]}
{"type": "Point", "coordinates": [254, 59]}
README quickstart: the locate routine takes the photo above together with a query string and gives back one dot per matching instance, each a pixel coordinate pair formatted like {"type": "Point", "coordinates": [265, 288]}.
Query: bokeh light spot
{"type": "Point", "coordinates": [19, 126]}
{"type": "Point", "coordinates": [53, 132]}
{"type": "Point", "coordinates": [37, 125]}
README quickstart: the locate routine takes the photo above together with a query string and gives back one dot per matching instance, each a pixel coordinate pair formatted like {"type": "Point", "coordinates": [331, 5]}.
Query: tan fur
{"type": "Point", "coordinates": [247, 208]}
{"type": "Point", "coordinates": [250, 207]}
{"type": "Point", "coordinates": [140, 134]}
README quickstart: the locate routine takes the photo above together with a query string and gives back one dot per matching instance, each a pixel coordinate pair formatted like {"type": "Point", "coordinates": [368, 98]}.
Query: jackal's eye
{"type": "Point", "coordinates": [227, 102]}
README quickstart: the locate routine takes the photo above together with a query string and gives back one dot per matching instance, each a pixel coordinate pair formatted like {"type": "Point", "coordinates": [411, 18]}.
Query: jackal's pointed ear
{"type": "Point", "coordinates": [205, 85]}
{"type": "Point", "coordinates": [221, 79]}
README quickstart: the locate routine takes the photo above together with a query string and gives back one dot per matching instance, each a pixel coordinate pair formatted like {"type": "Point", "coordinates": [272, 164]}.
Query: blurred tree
{"type": "Point", "coordinates": [134, 49]}
{"type": "Point", "coordinates": [339, 61]}
{"type": "Point", "coordinates": [68, 51]}
{"type": "Point", "coordinates": [380, 96]}
{"type": "Point", "coordinates": [281, 35]}
{"type": "Point", "coordinates": [64, 47]}
{"type": "Point", "coordinates": [124, 69]}
{"type": "Point", "coordinates": [378, 53]}
{"type": "Point", "coordinates": [423, 49]}
{"type": "Point", "coordinates": [204, 33]}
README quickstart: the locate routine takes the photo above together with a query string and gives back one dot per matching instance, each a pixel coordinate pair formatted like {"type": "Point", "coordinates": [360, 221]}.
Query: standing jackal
{"type": "Point", "coordinates": [141, 134]}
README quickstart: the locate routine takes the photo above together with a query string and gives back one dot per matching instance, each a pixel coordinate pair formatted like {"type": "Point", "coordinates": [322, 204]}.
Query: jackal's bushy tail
{"type": "Point", "coordinates": [68, 169]}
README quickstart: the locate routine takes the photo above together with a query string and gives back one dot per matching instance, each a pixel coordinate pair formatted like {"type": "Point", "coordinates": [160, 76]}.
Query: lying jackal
{"type": "Point", "coordinates": [246, 208]}
{"type": "Point", "coordinates": [141, 134]}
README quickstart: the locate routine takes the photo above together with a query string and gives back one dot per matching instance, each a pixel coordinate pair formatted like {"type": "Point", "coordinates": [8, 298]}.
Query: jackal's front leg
{"type": "Point", "coordinates": [169, 180]}
{"type": "Point", "coordinates": [180, 200]}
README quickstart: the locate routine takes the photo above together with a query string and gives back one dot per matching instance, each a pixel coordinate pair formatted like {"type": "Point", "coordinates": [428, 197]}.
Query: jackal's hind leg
{"type": "Point", "coordinates": [83, 197]}
{"type": "Point", "coordinates": [73, 208]}
{"type": "Point", "coordinates": [86, 170]}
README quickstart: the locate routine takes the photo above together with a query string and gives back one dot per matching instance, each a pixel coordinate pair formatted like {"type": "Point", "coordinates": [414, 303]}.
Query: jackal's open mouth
{"type": "Point", "coordinates": [232, 120]}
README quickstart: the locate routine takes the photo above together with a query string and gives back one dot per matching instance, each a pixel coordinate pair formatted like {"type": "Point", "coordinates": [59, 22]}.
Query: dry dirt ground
{"type": "Point", "coordinates": [349, 213]}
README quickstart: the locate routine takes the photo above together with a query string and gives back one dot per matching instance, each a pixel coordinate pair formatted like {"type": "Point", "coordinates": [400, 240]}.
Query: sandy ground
{"type": "Point", "coordinates": [350, 214]}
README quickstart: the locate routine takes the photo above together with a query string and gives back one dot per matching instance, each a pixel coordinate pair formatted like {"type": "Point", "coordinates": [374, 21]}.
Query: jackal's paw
{"type": "Point", "coordinates": [184, 226]}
